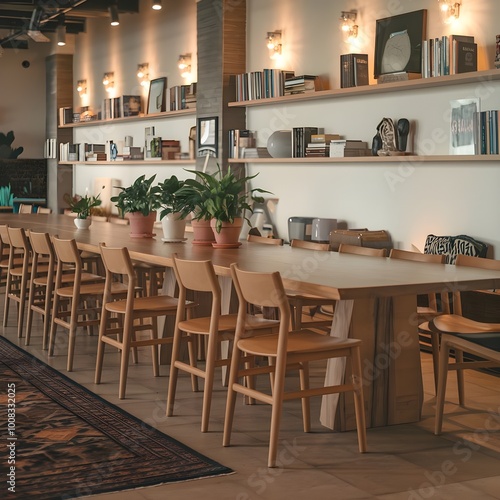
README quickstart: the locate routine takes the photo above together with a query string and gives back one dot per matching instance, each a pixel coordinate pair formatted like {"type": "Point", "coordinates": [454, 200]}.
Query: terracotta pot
{"type": "Point", "coordinates": [83, 223]}
{"type": "Point", "coordinates": [202, 232]}
{"type": "Point", "coordinates": [141, 226]}
{"type": "Point", "coordinates": [173, 227]}
{"type": "Point", "coordinates": [229, 234]}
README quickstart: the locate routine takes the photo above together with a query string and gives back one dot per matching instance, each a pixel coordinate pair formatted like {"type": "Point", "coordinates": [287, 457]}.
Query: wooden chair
{"type": "Point", "coordinates": [72, 301]}
{"type": "Point", "coordinates": [358, 250]}
{"type": "Point", "coordinates": [253, 238]}
{"type": "Point", "coordinates": [132, 311]}
{"type": "Point", "coordinates": [431, 310]}
{"type": "Point", "coordinates": [286, 349]}
{"type": "Point", "coordinates": [300, 301]}
{"type": "Point", "coordinates": [25, 209]}
{"type": "Point", "coordinates": [43, 210]}
{"type": "Point", "coordinates": [462, 335]}
{"type": "Point", "coordinates": [199, 276]}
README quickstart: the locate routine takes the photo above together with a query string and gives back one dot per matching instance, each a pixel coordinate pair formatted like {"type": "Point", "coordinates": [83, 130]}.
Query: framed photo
{"type": "Point", "coordinates": [131, 105]}
{"type": "Point", "coordinates": [207, 134]}
{"type": "Point", "coordinates": [464, 133]}
{"type": "Point", "coordinates": [157, 96]}
{"type": "Point", "coordinates": [398, 43]}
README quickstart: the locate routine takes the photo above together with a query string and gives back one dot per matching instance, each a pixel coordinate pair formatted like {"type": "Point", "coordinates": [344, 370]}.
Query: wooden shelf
{"type": "Point", "coordinates": [374, 159]}
{"type": "Point", "coordinates": [131, 162]}
{"type": "Point", "coordinates": [421, 83]}
{"type": "Point", "coordinates": [127, 119]}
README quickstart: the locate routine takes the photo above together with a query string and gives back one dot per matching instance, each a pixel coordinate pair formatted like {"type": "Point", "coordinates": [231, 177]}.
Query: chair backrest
{"type": "Point", "coordinates": [4, 235]}
{"type": "Point", "coordinates": [478, 262]}
{"type": "Point", "coordinates": [18, 238]}
{"type": "Point", "coordinates": [310, 245]}
{"type": "Point", "coordinates": [253, 238]}
{"type": "Point", "coordinates": [43, 210]}
{"type": "Point", "coordinates": [371, 252]}
{"type": "Point", "coordinates": [263, 290]}
{"type": "Point", "coordinates": [41, 244]}
{"type": "Point", "coordinates": [25, 209]}
{"type": "Point", "coordinates": [417, 256]}
{"type": "Point", "coordinates": [67, 253]}
{"type": "Point", "coordinates": [117, 262]}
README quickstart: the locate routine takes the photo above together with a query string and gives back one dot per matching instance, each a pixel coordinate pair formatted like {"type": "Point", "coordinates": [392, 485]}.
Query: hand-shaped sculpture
{"type": "Point", "coordinates": [387, 132]}
{"type": "Point", "coordinates": [403, 131]}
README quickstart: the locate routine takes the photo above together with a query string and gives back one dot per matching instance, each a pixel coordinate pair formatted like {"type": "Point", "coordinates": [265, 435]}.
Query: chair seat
{"type": "Point", "coordinates": [455, 324]}
{"type": "Point", "coordinates": [18, 271]}
{"type": "Point", "coordinates": [69, 278]}
{"type": "Point", "coordinates": [153, 304]}
{"type": "Point", "coordinates": [302, 341]}
{"type": "Point", "coordinates": [227, 323]}
{"type": "Point", "coordinates": [93, 289]}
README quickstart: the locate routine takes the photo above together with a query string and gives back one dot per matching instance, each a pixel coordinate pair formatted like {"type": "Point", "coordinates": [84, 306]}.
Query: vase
{"type": "Point", "coordinates": [173, 227]}
{"type": "Point", "coordinates": [202, 232]}
{"type": "Point", "coordinates": [229, 235]}
{"type": "Point", "coordinates": [82, 223]}
{"type": "Point", "coordinates": [141, 226]}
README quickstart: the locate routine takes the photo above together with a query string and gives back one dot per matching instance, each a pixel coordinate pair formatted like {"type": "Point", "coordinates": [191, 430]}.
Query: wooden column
{"type": "Point", "coordinates": [221, 53]}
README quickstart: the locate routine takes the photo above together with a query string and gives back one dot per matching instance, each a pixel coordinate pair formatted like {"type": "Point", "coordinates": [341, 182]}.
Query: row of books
{"type": "Point", "coordinates": [302, 84]}
{"type": "Point", "coordinates": [448, 55]}
{"type": "Point", "coordinates": [319, 145]}
{"type": "Point", "coordinates": [261, 84]}
{"type": "Point", "coordinates": [487, 132]}
{"type": "Point", "coordinates": [353, 70]}
{"type": "Point", "coordinates": [239, 142]}
{"type": "Point", "coordinates": [183, 97]}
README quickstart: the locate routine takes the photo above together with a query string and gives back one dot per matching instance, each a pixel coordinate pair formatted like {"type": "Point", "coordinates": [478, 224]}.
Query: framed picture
{"type": "Point", "coordinates": [157, 95]}
{"type": "Point", "coordinates": [207, 134]}
{"type": "Point", "coordinates": [464, 133]}
{"type": "Point", "coordinates": [131, 105]}
{"type": "Point", "coordinates": [398, 43]}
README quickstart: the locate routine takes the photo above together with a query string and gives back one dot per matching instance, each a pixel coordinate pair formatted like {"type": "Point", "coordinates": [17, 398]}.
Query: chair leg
{"type": "Point", "coordinates": [100, 346]}
{"type": "Point", "coordinates": [174, 372]}
{"type": "Point", "coordinates": [124, 360]}
{"type": "Point", "coordinates": [459, 357]}
{"type": "Point", "coordinates": [306, 406]}
{"type": "Point", "coordinates": [53, 326]}
{"type": "Point", "coordinates": [192, 342]}
{"type": "Point", "coordinates": [444, 355]}
{"type": "Point", "coordinates": [277, 405]}
{"type": "Point", "coordinates": [22, 304]}
{"type": "Point", "coordinates": [236, 359]}
{"type": "Point", "coordinates": [154, 347]}
{"type": "Point", "coordinates": [209, 382]}
{"type": "Point", "coordinates": [435, 357]}
{"type": "Point", "coordinates": [359, 402]}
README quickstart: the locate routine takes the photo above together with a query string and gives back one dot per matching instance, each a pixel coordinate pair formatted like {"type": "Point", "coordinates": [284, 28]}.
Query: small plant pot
{"type": "Point", "coordinates": [141, 226]}
{"type": "Point", "coordinates": [229, 235]}
{"type": "Point", "coordinates": [83, 223]}
{"type": "Point", "coordinates": [173, 227]}
{"type": "Point", "coordinates": [202, 232]}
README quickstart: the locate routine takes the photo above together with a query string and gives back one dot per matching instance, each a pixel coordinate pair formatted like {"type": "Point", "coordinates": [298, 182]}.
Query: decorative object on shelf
{"type": "Point", "coordinates": [140, 201]}
{"type": "Point", "coordinates": [149, 133]}
{"type": "Point", "coordinates": [464, 131]}
{"type": "Point", "coordinates": [279, 144]}
{"type": "Point", "coordinates": [157, 102]}
{"type": "Point", "coordinates": [81, 88]}
{"type": "Point", "coordinates": [348, 25]}
{"type": "Point", "coordinates": [83, 207]}
{"type": "Point", "coordinates": [403, 129]}
{"type": "Point", "coordinates": [108, 81]}
{"type": "Point", "coordinates": [222, 197]}
{"type": "Point", "coordinates": [497, 56]}
{"type": "Point", "coordinates": [192, 142]}
{"type": "Point", "coordinates": [450, 10]}
{"type": "Point", "coordinates": [156, 148]}
{"type": "Point", "coordinates": [131, 105]}
{"type": "Point", "coordinates": [173, 222]}
{"type": "Point", "coordinates": [387, 132]}
{"type": "Point", "coordinates": [208, 133]}
{"type": "Point", "coordinates": [6, 150]}
{"type": "Point", "coordinates": [376, 144]}
{"type": "Point", "coordinates": [184, 65]}
{"type": "Point", "coordinates": [398, 43]}
{"type": "Point", "coordinates": [274, 43]}
{"type": "Point", "coordinates": [143, 73]}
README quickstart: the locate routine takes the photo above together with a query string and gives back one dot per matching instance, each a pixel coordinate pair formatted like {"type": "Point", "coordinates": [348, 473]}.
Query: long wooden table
{"type": "Point", "coordinates": [377, 303]}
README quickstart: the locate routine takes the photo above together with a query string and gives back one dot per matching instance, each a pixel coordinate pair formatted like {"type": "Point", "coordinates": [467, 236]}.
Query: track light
{"type": "Point", "coordinates": [113, 14]}
{"type": "Point", "coordinates": [156, 5]}
{"type": "Point", "coordinates": [61, 35]}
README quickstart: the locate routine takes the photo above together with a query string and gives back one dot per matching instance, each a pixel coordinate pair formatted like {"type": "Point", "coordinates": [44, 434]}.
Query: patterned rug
{"type": "Point", "coordinates": [64, 441]}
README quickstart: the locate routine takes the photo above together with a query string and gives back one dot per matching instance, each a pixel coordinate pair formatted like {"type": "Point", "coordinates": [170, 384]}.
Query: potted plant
{"type": "Point", "coordinates": [223, 198]}
{"type": "Point", "coordinates": [171, 215]}
{"type": "Point", "coordinates": [83, 207]}
{"type": "Point", "coordinates": [139, 203]}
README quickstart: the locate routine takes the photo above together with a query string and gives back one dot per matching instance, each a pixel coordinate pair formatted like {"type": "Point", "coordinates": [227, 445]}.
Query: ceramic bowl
{"type": "Point", "coordinates": [279, 144]}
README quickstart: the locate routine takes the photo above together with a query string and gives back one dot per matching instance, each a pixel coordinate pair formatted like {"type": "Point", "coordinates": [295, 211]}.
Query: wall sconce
{"type": "Point", "coordinates": [143, 73]}
{"type": "Point", "coordinates": [274, 43]}
{"type": "Point", "coordinates": [109, 81]}
{"type": "Point", "coordinates": [450, 10]}
{"type": "Point", "coordinates": [348, 25]}
{"type": "Point", "coordinates": [184, 64]}
{"type": "Point", "coordinates": [81, 87]}
{"type": "Point", "coordinates": [156, 5]}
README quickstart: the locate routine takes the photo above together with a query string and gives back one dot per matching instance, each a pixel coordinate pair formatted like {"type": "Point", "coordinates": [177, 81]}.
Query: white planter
{"type": "Point", "coordinates": [83, 223]}
{"type": "Point", "coordinates": [173, 227]}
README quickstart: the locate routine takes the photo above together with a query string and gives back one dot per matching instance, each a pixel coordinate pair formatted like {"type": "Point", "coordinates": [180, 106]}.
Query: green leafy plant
{"type": "Point", "coordinates": [170, 202]}
{"type": "Point", "coordinates": [82, 206]}
{"type": "Point", "coordinates": [141, 197]}
{"type": "Point", "coordinates": [219, 196]}
{"type": "Point", "coordinates": [6, 197]}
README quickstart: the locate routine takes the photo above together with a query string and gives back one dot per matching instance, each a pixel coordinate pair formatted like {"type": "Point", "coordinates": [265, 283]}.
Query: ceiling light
{"type": "Point", "coordinates": [61, 31]}
{"type": "Point", "coordinates": [156, 5]}
{"type": "Point", "coordinates": [113, 14]}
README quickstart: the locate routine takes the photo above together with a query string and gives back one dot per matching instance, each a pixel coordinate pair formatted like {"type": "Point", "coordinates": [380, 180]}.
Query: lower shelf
{"type": "Point", "coordinates": [130, 162]}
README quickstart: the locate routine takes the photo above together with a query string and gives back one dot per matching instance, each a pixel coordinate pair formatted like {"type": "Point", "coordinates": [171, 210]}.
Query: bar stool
{"type": "Point", "coordinates": [117, 262]}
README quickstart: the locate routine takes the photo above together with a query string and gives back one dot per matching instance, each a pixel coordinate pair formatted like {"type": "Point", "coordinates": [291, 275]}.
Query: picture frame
{"type": "Point", "coordinates": [398, 43]}
{"type": "Point", "coordinates": [131, 105]}
{"type": "Point", "coordinates": [464, 131]}
{"type": "Point", "coordinates": [157, 101]}
{"type": "Point", "coordinates": [207, 132]}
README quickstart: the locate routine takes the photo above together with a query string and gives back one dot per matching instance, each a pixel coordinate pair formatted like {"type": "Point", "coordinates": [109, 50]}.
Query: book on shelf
{"type": "Point", "coordinates": [398, 76]}
{"type": "Point", "coordinates": [65, 115]}
{"type": "Point", "coordinates": [260, 84]}
{"type": "Point", "coordinates": [239, 140]}
{"type": "Point", "coordinates": [301, 136]}
{"type": "Point", "coordinates": [488, 126]}
{"type": "Point", "coordinates": [183, 97]}
{"type": "Point", "coordinates": [302, 84]}
{"type": "Point", "coordinates": [353, 70]}
{"type": "Point", "coordinates": [464, 127]}
{"type": "Point", "coordinates": [324, 137]}
{"type": "Point", "coordinates": [465, 57]}
{"type": "Point", "coordinates": [349, 147]}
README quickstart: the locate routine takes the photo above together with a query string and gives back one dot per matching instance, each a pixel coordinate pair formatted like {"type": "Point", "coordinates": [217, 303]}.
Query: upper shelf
{"type": "Point", "coordinates": [421, 83]}
{"type": "Point", "coordinates": [125, 119]}
{"type": "Point", "coordinates": [147, 161]}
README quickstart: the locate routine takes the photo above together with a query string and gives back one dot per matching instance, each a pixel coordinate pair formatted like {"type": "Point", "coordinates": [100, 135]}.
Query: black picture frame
{"type": "Point", "coordinates": [207, 134]}
{"type": "Point", "coordinates": [157, 96]}
{"type": "Point", "coordinates": [131, 105]}
{"type": "Point", "coordinates": [412, 26]}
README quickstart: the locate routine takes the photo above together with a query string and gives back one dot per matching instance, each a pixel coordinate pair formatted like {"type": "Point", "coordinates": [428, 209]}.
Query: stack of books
{"type": "Point", "coordinates": [65, 115]}
{"type": "Point", "coordinates": [302, 84]}
{"type": "Point", "coordinates": [256, 153]}
{"type": "Point", "coordinates": [183, 97]}
{"type": "Point", "coordinates": [320, 145]}
{"type": "Point", "coordinates": [488, 132]}
{"type": "Point", "coordinates": [94, 152]}
{"type": "Point", "coordinates": [348, 147]}
{"type": "Point", "coordinates": [353, 70]}
{"type": "Point", "coordinates": [239, 141]}
{"type": "Point", "coordinates": [301, 137]}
